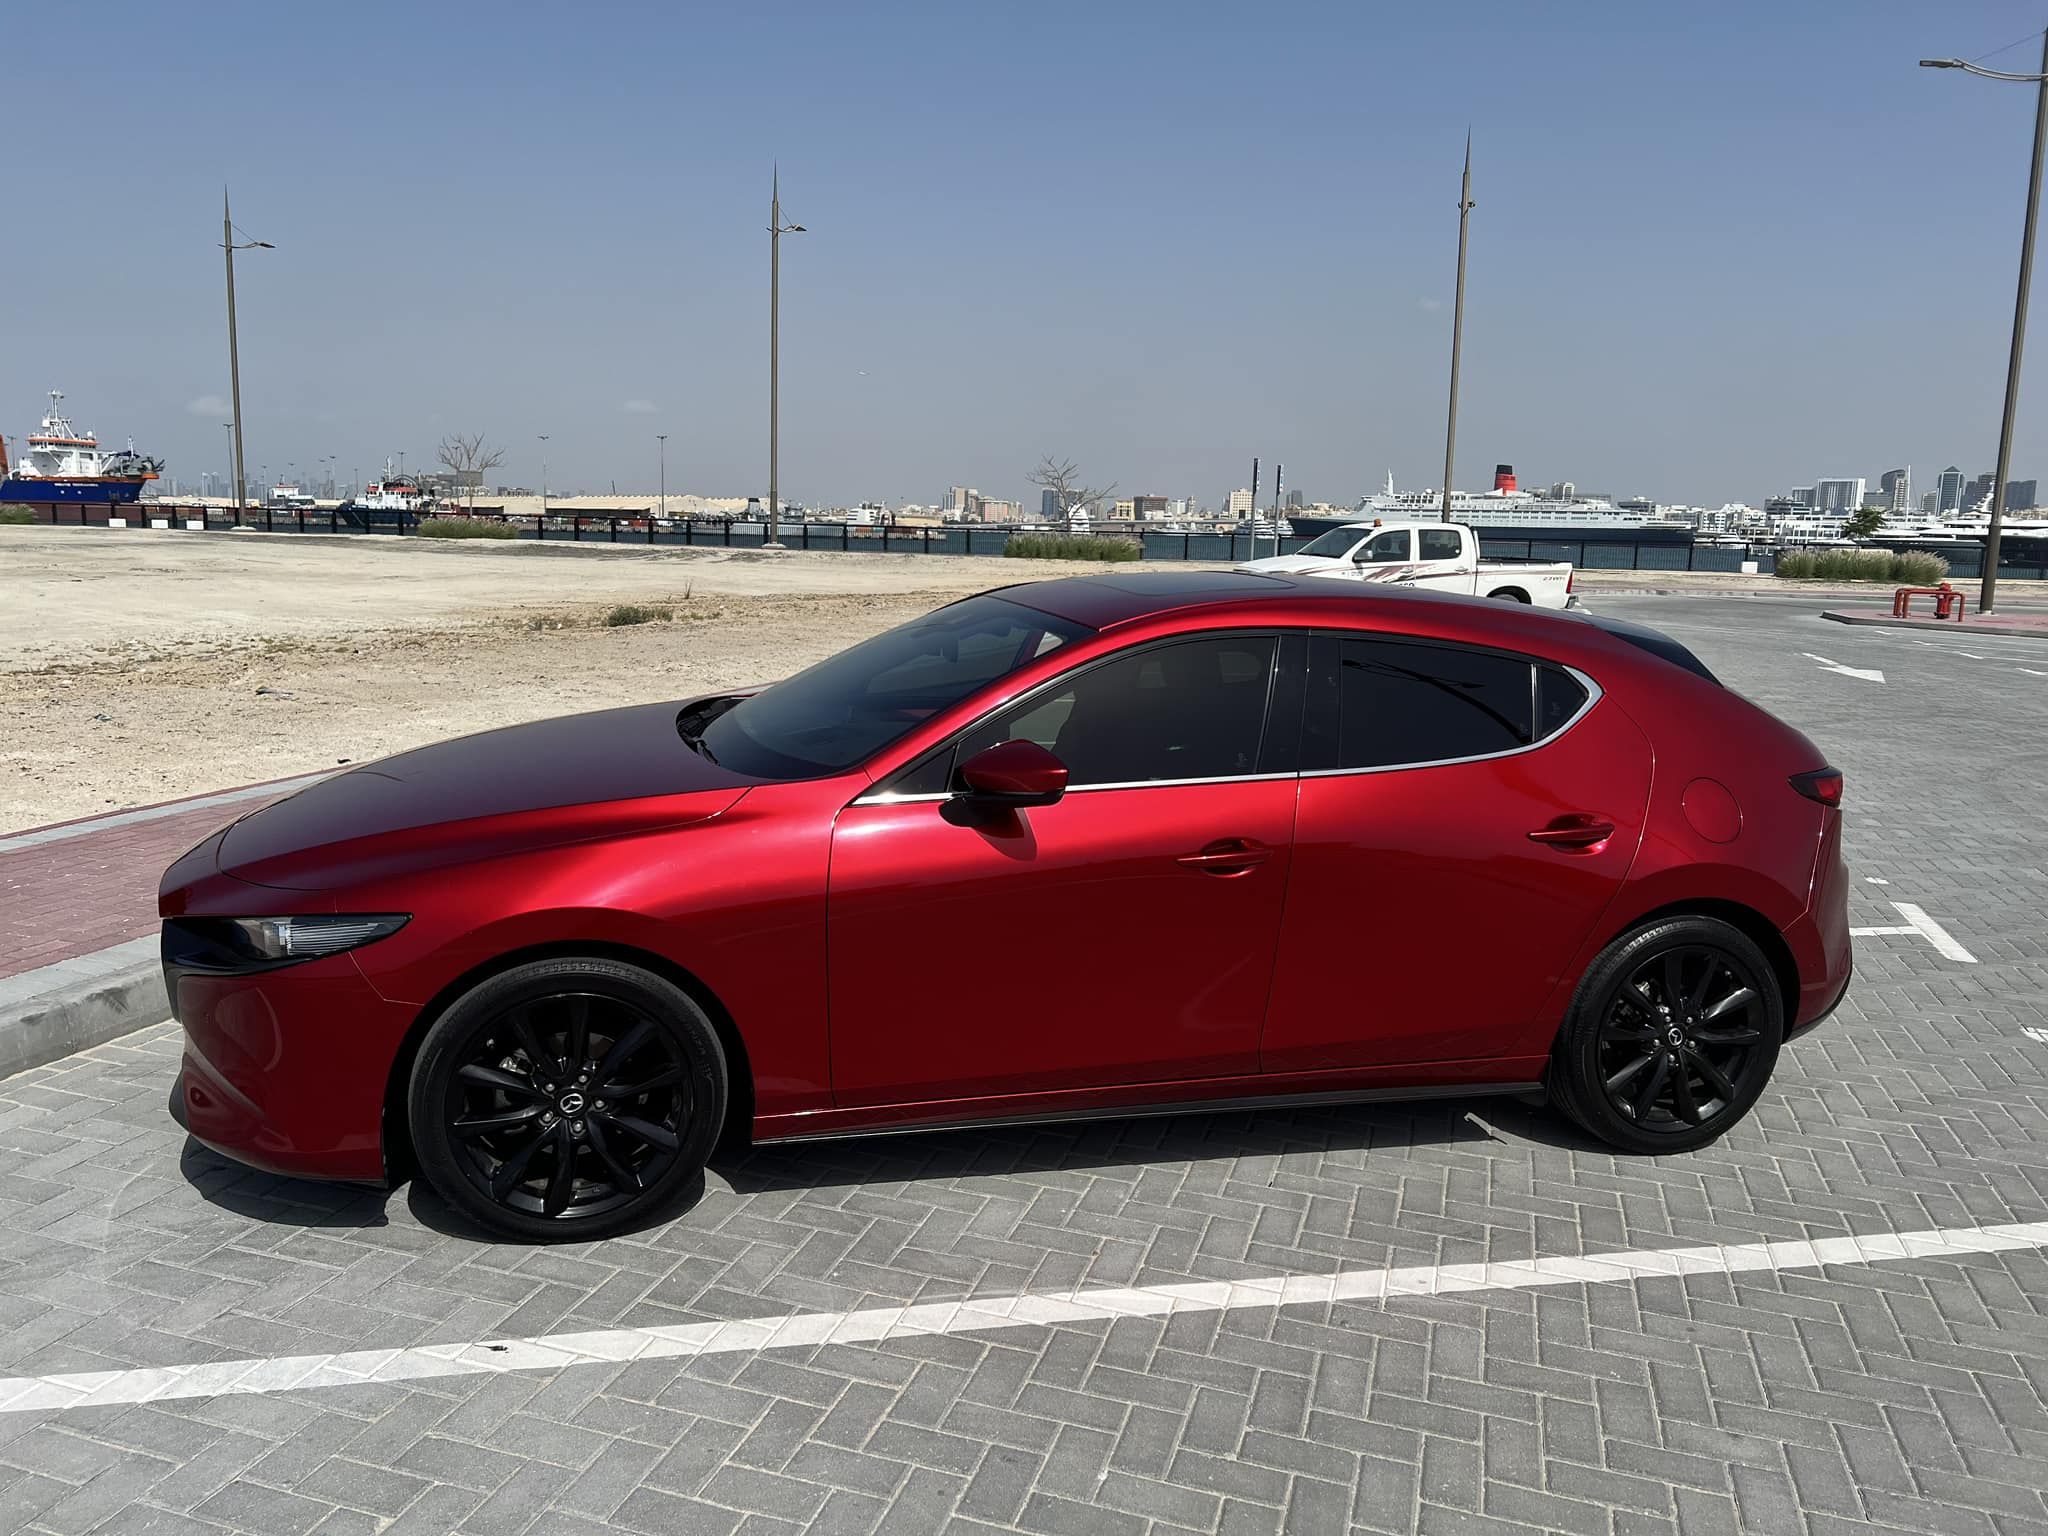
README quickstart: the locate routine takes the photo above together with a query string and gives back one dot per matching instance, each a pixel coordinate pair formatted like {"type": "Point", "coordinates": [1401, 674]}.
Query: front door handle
{"type": "Point", "coordinates": [1228, 856]}
{"type": "Point", "coordinates": [1574, 832]}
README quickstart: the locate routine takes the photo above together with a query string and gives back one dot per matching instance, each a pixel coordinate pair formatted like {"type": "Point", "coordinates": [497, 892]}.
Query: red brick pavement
{"type": "Point", "coordinates": [92, 889]}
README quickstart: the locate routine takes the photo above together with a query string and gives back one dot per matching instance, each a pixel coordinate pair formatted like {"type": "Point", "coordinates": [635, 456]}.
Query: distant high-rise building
{"type": "Point", "coordinates": [1842, 496]}
{"type": "Point", "coordinates": [1294, 501]}
{"type": "Point", "coordinates": [1148, 506]}
{"type": "Point", "coordinates": [1049, 505]}
{"type": "Point", "coordinates": [2019, 495]}
{"type": "Point", "coordinates": [1948, 486]}
{"type": "Point", "coordinates": [1239, 504]}
{"type": "Point", "coordinates": [1930, 504]}
{"type": "Point", "coordinates": [1978, 492]}
{"type": "Point", "coordinates": [1801, 496]}
{"type": "Point", "coordinates": [1897, 486]}
{"type": "Point", "coordinates": [960, 498]}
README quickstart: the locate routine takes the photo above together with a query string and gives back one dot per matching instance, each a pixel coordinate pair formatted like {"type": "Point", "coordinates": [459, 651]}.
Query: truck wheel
{"type": "Point", "coordinates": [1510, 594]}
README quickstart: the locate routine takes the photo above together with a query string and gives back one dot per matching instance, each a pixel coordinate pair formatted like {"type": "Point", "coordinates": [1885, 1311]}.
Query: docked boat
{"type": "Point", "coordinates": [62, 463]}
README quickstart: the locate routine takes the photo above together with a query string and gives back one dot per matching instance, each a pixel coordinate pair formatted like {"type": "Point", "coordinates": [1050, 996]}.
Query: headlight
{"type": "Point", "coordinates": [308, 938]}
{"type": "Point", "coordinates": [258, 943]}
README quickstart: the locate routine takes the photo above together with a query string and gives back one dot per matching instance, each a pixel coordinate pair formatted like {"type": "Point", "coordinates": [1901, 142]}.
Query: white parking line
{"type": "Point", "coordinates": [1917, 923]}
{"type": "Point", "coordinates": [804, 1330]}
{"type": "Point", "coordinates": [1933, 932]}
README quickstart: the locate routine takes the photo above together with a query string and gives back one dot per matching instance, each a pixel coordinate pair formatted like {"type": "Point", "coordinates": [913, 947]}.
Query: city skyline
{"type": "Point", "coordinates": [596, 269]}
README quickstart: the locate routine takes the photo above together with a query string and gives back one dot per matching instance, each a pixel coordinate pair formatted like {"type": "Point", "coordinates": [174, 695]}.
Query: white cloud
{"type": "Point", "coordinates": [1431, 306]}
{"type": "Point", "coordinates": [208, 405]}
{"type": "Point", "coordinates": [639, 407]}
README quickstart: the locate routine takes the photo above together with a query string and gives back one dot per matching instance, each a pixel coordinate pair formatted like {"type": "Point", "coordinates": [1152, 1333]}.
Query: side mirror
{"type": "Point", "coordinates": [1014, 773]}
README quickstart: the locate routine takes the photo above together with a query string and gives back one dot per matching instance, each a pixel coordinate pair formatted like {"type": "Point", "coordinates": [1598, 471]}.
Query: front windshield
{"type": "Point", "coordinates": [847, 707]}
{"type": "Point", "coordinates": [1336, 543]}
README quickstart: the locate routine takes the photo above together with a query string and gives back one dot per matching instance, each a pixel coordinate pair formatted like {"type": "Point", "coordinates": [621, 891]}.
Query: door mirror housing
{"type": "Point", "coordinates": [1014, 773]}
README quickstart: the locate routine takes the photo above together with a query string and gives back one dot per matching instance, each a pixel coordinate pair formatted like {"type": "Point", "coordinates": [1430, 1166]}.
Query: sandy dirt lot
{"type": "Point", "coordinates": [137, 667]}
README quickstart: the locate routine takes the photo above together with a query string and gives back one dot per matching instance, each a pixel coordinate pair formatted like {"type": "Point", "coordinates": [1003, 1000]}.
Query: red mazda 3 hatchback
{"type": "Point", "coordinates": [1101, 846]}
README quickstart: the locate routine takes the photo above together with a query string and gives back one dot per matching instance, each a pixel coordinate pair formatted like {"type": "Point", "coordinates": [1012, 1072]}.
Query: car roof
{"type": "Point", "coordinates": [1110, 600]}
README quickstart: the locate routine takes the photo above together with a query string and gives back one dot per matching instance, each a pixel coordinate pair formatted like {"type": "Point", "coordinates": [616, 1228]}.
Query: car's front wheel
{"type": "Point", "coordinates": [1671, 1036]}
{"type": "Point", "coordinates": [567, 1099]}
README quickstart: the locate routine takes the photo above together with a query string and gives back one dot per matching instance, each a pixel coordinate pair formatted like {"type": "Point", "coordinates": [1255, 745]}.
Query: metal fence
{"type": "Point", "coordinates": [1964, 560]}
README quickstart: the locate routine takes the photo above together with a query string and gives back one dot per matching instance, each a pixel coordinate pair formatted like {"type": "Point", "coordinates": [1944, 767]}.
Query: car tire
{"type": "Point", "coordinates": [1671, 1036]}
{"type": "Point", "coordinates": [1510, 595]}
{"type": "Point", "coordinates": [567, 1099]}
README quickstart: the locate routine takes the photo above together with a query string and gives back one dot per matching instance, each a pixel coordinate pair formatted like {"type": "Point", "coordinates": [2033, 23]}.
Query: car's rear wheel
{"type": "Point", "coordinates": [567, 1099]}
{"type": "Point", "coordinates": [1510, 595]}
{"type": "Point", "coordinates": [1671, 1037]}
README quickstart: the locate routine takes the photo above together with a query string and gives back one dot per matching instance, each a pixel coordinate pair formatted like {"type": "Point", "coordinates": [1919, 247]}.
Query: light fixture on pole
{"type": "Point", "coordinates": [1465, 207]}
{"type": "Point", "coordinates": [228, 244]}
{"type": "Point", "coordinates": [1987, 590]}
{"type": "Point", "coordinates": [662, 438]}
{"type": "Point", "coordinates": [776, 230]}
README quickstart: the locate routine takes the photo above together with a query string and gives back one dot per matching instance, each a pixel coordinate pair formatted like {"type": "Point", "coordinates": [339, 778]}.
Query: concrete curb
{"type": "Point", "coordinates": [1965, 630]}
{"type": "Point", "coordinates": [49, 1013]}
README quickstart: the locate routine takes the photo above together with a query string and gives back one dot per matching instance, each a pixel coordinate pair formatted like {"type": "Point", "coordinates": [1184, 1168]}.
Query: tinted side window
{"type": "Point", "coordinates": [1559, 696]}
{"type": "Point", "coordinates": [1191, 710]}
{"type": "Point", "coordinates": [1405, 702]}
{"type": "Point", "coordinates": [1441, 544]}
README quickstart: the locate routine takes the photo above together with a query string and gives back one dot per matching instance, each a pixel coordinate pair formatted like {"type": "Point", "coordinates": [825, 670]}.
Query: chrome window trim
{"type": "Point", "coordinates": [1594, 694]}
{"type": "Point", "coordinates": [1089, 789]}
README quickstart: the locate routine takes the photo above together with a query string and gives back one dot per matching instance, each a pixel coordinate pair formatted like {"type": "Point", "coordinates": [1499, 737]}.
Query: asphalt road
{"type": "Point", "coordinates": [1381, 1319]}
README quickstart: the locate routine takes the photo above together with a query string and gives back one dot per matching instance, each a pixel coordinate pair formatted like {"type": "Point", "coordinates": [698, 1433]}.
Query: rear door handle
{"type": "Point", "coordinates": [1228, 856]}
{"type": "Point", "coordinates": [1575, 832]}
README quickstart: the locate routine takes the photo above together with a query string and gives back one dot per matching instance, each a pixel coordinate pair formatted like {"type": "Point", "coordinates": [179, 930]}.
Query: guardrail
{"type": "Point", "coordinates": [954, 538]}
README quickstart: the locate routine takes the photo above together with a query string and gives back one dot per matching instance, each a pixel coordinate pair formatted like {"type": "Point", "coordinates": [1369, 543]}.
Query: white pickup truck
{"type": "Point", "coordinates": [1438, 557]}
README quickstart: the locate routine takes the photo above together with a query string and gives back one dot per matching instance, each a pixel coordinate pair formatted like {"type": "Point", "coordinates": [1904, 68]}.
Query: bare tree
{"type": "Point", "coordinates": [467, 456]}
{"type": "Point", "coordinates": [1063, 478]}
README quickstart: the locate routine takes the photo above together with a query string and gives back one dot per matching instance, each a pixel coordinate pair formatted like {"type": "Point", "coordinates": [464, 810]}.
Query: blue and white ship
{"type": "Point", "coordinates": [65, 465]}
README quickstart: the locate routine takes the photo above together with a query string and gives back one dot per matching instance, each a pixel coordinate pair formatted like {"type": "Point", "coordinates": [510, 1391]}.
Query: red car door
{"type": "Point", "coordinates": [1124, 934]}
{"type": "Point", "coordinates": [1465, 818]}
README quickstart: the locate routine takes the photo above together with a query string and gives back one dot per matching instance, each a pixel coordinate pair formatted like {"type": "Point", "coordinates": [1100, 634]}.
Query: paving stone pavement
{"type": "Point", "coordinates": [1903, 1396]}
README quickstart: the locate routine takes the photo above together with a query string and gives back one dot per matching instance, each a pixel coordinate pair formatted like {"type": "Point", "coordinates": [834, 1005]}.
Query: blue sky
{"type": "Point", "coordinates": [1717, 251]}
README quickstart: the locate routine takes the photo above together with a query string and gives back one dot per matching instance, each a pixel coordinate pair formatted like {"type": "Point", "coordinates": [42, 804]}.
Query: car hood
{"type": "Point", "coordinates": [562, 780]}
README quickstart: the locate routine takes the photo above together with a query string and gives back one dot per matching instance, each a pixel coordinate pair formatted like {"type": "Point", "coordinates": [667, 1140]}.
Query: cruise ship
{"type": "Point", "coordinates": [1506, 510]}
{"type": "Point", "coordinates": [65, 464]}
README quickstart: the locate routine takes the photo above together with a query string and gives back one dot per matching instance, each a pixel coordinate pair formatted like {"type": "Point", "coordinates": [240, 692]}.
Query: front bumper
{"type": "Point", "coordinates": [286, 1070]}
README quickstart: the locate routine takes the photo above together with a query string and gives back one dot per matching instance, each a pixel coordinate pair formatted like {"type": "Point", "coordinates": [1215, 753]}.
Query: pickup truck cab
{"type": "Point", "coordinates": [1438, 557]}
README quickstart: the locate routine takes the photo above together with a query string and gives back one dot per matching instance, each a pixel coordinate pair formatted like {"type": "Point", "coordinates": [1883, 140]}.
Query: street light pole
{"type": "Point", "coordinates": [1987, 590]}
{"type": "Point", "coordinates": [662, 438]}
{"type": "Point", "coordinates": [1465, 207]}
{"type": "Point", "coordinates": [543, 477]}
{"type": "Point", "coordinates": [776, 230]}
{"type": "Point", "coordinates": [227, 241]}
{"type": "Point", "coordinates": [229, 428]}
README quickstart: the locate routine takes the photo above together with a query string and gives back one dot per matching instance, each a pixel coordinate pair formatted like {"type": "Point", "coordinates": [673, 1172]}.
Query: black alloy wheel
{"type": "Point", "coordinates": [567, 1099]}
{"type": "Point", "coordinates": [1671, 1038]}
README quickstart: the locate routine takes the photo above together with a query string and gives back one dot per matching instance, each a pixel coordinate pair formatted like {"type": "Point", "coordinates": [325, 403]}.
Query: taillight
{"type": "Point", "coordinates": [1823, 785]}
{"type": "Point", "coordinates": [1570, 576]}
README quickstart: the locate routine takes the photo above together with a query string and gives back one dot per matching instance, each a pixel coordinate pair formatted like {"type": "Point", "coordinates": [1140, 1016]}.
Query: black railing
{"type": "Point", "coordinates": [1588, 554]}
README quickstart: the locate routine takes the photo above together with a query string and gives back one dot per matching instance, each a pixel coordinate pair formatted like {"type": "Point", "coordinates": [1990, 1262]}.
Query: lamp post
{"type": "Point", "coordinates": [662, 438]}
{"type": "Point", "coordinates": [1465, 207]}
{"type": "Point", "coordinates": [776, 230]}
{"type": "Point", "coordinates": [227, 241]}
{"type": "Point", "coordinates": [229, 427]}
{"type": "Point", "coordinates": [543, 477]}
{"type": "Point", "coordinates": [1987, 591]}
